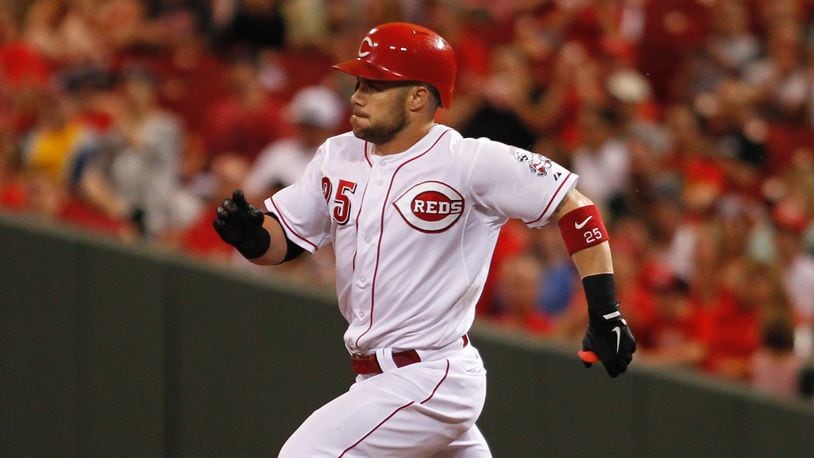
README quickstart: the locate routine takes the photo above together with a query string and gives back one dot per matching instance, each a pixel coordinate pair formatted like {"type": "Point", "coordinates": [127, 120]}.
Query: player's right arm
{"type": "Point", "coordinates": [281, 248]}
{"type": "Point", "coordinates": [296, 219]}
{"type": "Point", "coordinates": [259, 237]}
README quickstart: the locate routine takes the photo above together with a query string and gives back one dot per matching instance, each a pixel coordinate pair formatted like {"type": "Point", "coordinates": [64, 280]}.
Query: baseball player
{"type": "Point", "coordinates": [413, 211]}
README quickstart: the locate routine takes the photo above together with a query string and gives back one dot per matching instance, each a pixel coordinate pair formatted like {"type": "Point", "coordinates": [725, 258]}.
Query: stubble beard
{"type": "Point", "coordinates": [384, 132]}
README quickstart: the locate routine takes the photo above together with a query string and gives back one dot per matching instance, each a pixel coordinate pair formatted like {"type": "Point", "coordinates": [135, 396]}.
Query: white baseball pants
{"type": "Point", "coordinates": [427, 409]}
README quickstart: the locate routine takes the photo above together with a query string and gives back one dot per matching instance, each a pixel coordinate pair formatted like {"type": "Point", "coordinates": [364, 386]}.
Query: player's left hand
{"type": "Point", "coordinates": [608, 339]}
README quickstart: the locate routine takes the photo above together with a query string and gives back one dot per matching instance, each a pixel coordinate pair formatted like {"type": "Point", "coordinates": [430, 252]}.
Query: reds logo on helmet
{"type": "Point", "coordinates": [430, 206]}
{"type": "Point", "coordinates": [365, 47]}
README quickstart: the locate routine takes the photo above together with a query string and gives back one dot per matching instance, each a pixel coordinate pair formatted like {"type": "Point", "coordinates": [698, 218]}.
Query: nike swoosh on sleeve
{"type": "Point", "coordinates": [582, 224]}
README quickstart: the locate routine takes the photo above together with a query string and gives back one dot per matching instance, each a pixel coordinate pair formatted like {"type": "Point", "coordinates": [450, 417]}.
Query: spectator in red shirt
{"type": "Point", "coordinates": [749, 291]}
{"type": "Point", "coordinates": [245, 120]}
{"type": "Point", "coordinates": [21, 65]}
{"type": "Point", "coordinates": [517, 292]}
{"type": "Point", "coordinates": [512, 240]}
{"type": "Point", "coordinates": [669, 338]}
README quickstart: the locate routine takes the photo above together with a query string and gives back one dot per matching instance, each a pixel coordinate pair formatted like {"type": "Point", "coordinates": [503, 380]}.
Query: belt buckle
{"type": "Point", "coordinates": [364, 364]}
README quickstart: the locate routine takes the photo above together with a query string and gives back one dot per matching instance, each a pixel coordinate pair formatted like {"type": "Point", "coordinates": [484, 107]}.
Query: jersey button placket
{"type": "Point", "coordinates": [369, 227]}
{"type": "Point", "coordinates": [380, 170]}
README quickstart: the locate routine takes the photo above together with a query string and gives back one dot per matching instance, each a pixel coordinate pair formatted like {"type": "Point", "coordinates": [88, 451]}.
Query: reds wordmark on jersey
{"type": "Point", "coordinates": [414, 232]}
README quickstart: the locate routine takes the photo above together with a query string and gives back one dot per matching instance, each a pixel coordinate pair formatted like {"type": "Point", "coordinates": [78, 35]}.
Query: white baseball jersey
{"type": "Point", "coordinates": [414, 232]}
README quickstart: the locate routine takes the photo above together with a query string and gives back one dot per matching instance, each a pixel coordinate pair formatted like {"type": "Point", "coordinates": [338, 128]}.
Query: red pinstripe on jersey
{"type": "Point", "coordinates": [385, 205]}
{"type": "Point", "coordinates": [366, 156]}
{"type": "Point", "coordinates": [356, 224]}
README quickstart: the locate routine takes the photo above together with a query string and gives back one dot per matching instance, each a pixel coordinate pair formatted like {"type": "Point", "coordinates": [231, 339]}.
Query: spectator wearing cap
{"type": "Point", "coordinates": [316, 112]}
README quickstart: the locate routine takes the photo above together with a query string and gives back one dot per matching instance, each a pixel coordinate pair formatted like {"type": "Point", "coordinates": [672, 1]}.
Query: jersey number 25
{"type": "Point", "coordinates": [341, 212]}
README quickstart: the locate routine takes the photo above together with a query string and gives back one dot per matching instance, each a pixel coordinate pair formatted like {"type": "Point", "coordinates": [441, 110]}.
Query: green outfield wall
{"type": "Point", "coordinates": [114, 351]}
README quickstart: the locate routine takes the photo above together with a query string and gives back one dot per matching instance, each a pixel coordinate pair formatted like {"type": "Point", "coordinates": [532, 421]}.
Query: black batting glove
{"type": "Point", "coordinates": [241, 225]}
{"type": "Point", "coordinates": [608, 339]}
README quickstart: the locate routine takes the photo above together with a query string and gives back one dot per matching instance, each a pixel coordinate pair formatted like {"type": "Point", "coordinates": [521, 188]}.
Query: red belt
{"type": "Point", "coordinates": [369, 364]}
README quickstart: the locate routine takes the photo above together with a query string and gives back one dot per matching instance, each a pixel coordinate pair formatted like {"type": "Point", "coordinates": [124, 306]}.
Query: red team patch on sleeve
{"type": "Point", "coordinates": [582, 228]}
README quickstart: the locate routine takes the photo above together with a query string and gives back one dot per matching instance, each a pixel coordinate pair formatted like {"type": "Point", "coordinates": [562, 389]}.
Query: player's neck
{"type": "Point", "coordinates": [411, 135]}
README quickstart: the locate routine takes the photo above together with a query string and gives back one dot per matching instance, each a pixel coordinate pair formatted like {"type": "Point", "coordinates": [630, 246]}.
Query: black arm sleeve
{"type": "Point", "coordinates": [600, 292]}
{"type": "Point", "coordinates": [292, 249]}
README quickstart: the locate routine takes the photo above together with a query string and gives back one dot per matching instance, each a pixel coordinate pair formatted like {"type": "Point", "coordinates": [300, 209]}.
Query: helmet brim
{"type": "Point", "coordinates": [364, 69]}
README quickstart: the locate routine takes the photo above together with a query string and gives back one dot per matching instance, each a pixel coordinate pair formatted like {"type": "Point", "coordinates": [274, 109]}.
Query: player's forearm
{"type": "Point", "coordinates": [593, 260]}
{"type": "Point", "coordinates": [586, 240]}
{"type": "Point", "coordinates": [278, 246]}
{"type": "Point", "coordinates": [573, 200]}
{"type": "Point", "coordinates": [589, 260]}
{"type": "Point", "coordinates": [608, 338]}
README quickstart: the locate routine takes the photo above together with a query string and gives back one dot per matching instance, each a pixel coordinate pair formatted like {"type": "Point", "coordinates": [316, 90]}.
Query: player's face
{"type": "Point", "coordinates": [379, 110]}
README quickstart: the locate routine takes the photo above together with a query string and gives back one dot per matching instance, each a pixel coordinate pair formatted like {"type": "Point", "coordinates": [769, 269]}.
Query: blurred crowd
{"type": "Point", "coordinates": [690, 123]}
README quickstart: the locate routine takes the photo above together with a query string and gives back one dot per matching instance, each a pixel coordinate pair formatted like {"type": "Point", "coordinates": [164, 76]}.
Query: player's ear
{"type": "Point", "coordinates": [418, 97]}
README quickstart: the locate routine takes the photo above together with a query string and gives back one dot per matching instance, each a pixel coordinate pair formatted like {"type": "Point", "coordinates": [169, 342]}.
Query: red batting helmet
{"type": "Point", "coordinates": [400, 51]}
